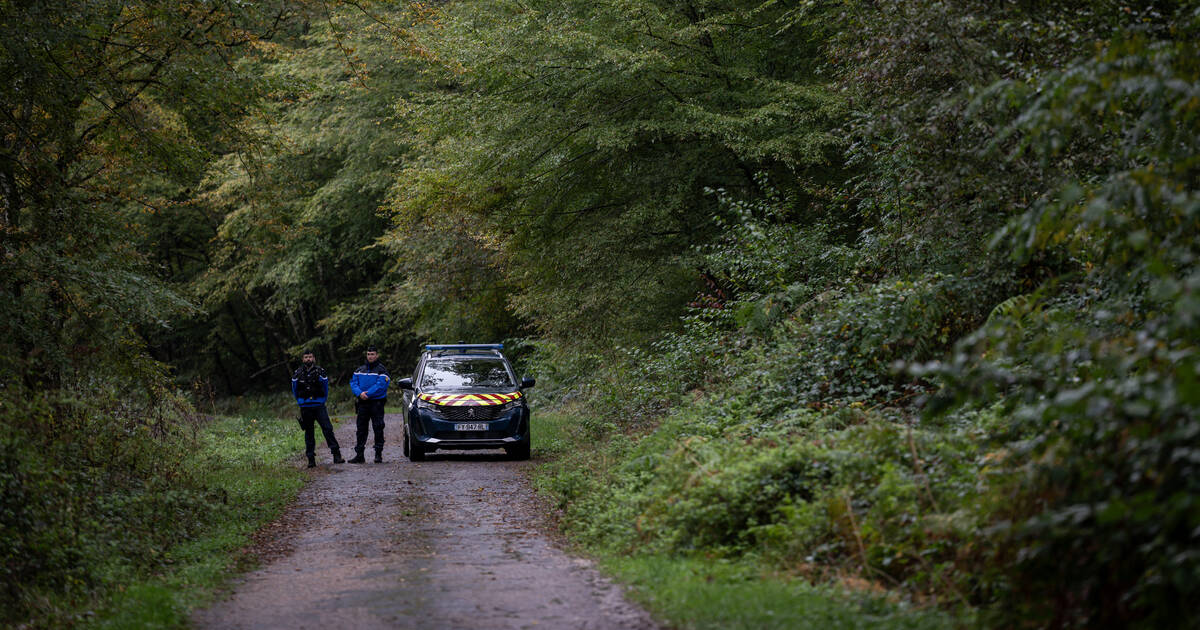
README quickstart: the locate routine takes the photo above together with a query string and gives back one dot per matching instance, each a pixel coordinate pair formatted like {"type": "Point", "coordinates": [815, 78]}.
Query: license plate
{"type": "Point", "coordinates": [474, 426]}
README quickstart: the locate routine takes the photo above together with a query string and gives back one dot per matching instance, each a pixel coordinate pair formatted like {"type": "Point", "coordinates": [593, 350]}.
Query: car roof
{"type": "Point", "coordinates": [464, 350]}
{"type": "Point", "coordinates": [464, 355]}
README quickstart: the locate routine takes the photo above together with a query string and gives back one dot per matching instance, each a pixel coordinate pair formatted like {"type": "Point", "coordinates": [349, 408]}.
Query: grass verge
{"type": "Point", "coordinates": [705, 594]}
{"type": "Point", "coordinates": [700, 590]}
{"type": "Point", "coordinates": [251, 460]}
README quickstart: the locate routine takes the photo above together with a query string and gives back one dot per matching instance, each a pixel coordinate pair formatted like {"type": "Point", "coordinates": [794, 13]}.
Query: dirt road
{"type": "Point", "coordinates": [452, 542]}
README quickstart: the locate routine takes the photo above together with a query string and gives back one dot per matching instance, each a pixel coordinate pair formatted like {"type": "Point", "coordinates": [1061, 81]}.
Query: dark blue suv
{"type": "Point", "coordinates": [465, 396]}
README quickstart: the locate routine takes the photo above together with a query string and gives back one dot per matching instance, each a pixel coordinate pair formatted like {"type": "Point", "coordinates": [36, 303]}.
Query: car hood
{"type": "Point", "coordinates": [465, 399]}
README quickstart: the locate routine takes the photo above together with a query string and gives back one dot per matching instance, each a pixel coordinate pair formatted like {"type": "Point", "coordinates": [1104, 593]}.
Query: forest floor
{"type": "Point", "coordinates": [458, 541]}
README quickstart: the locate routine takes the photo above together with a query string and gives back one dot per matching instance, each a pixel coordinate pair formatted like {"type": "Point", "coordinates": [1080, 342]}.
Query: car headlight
{"type": "Point", "coordinates": [425, 404]}
{"type": "Point", "coordinates": [511, 404]}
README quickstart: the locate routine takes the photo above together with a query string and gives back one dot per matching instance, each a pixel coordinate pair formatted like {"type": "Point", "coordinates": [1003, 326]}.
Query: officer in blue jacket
{"type": "Point", "coordinates": [370, 385]}
{"type": "Point", "coordinates": [310, 386]}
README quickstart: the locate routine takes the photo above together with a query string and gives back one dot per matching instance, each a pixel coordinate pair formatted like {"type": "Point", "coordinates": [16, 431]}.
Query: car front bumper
{"type": "Point", "coordinates": [435, 432]}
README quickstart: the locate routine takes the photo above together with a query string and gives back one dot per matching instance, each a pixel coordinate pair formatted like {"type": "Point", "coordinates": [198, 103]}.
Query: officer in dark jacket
{"type": "Point", "coordinates": [369, 385]}
{"type": "Point", "coordinates": [310, 386]}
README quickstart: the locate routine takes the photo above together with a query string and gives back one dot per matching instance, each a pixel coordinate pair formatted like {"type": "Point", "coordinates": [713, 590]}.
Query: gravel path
{"type": "Point", "coordinates": [453, 542]}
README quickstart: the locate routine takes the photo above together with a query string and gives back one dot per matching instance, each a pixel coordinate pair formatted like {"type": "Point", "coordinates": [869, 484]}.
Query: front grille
{"type": "Point", "coordinates": [471, 435]}
{"type": "Point", "coordinates": [468, 413]}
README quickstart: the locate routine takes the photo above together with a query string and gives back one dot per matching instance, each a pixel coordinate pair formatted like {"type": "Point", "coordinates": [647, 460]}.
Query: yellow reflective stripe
{"type": "Point", "coordinates": [467, 400]}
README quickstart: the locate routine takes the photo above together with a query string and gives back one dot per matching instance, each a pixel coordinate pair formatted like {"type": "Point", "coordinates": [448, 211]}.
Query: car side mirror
{"type": "Point", "coordinates": [527, 382]}
{"type": "Point", "coordinates": [404, 383]}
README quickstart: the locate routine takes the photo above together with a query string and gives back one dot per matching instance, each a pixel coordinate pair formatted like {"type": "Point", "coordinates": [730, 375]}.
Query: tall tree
{"type": "Point", "coordinates": [574, 143]}
{"type": "Point", "coordinates": [100, 100]}
{"type": "Point", "coordinates": [297, 215]}
{"type": "Point", "coordinates": [109, 111]}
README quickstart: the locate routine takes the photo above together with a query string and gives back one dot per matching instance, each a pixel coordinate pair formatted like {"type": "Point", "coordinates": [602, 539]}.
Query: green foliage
{"type": "Point", "coordinates": [745, 240]}
{"type": "Point", "coordinates": [914, 70]}
{"type": "Point", "coordinates": [105, 105]}
{"type": "Point", "coordinates": [293, 260]}
{"type": "Point", "coordinates": [705, 594]}
{"type": "Point", "coordinates": [843, 344]}
{"type": "Point", "coordinates": [454, 287]}
{"type": "Point", "coordinates": [110, 112]}
{"type": "Point", "coordinates": [1051, 480]}
{"type": "Point", "coordinates": [761, 270]}
{"type": "Point", "coordinates": [766, 253]}
{"type": "Point", "coordinates": [109, 501]}
{"type": "Point", "coordinates": [1101, 381]}
{"type": "Point", "coordinates": [839, 346]}
{"type": "Point", "coordinates": [827, 492]}
{"type": "Point", "coordinates": [574, 141]}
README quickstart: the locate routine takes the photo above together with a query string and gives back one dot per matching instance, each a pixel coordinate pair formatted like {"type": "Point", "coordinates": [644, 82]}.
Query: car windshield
{"type": "Point", "coordinates": [466, 374]}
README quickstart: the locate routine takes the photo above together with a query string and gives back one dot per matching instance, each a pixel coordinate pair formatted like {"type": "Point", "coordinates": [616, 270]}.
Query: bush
{"type": "Point", "coordinates": [95, 491]}
{"type": "Point", "coordinates": [832, 491]}
{"type": "Point", "coordinates": [1098, 525]}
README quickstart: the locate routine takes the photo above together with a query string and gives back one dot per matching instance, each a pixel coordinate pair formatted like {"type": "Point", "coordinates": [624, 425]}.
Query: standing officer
{"type": "Point", "coordinates": [370, 385]}
{"type": "Point", "coordinates": [310, 386]}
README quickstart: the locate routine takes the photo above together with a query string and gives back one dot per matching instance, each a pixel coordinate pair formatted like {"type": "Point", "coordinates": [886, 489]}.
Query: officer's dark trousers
{"type": "Point", "coordinates": [318, 415]}
{"type": "Point", "coordinates": [369, 411]}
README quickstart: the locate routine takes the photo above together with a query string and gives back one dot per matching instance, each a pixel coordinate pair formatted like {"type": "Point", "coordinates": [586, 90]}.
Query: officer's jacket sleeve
{"type": "Point", "coordinates": [324, 386]}
{"type": "Point", "coordinates": [380, 386]}
{"type": "Point", "coordinates": [355, 387]}
{"type": "Point", "coordinates": [295, 394]}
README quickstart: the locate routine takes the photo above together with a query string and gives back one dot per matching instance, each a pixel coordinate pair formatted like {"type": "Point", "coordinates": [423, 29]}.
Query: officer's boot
{"type": "Point", "coordinates": [312, 461]}
{"type": "Point", "coordinates": [379, 456]}
{"type": "Point", "coordinates": [358, 457]}
{"type": "Point", "coordinates": [337, 457]}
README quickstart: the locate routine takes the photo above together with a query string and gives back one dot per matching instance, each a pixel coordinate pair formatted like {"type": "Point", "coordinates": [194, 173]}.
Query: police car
{"type": "Point", "coordinates": [465, 396]}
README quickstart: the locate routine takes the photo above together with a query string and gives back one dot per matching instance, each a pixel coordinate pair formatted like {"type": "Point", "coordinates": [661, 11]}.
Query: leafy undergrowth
{"type": "Point", "coordinates": [703, 594]}
{"type": "Point", "coordinates": [249, 460]}
{"type": "Point", "coordinates": [140, 541]}
{"type": "Point", "coordinates": [825, 519]}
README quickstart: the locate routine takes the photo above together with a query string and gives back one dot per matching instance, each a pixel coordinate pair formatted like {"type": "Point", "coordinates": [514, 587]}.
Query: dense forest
{"type": "Point", "coordinates": [914, 283]}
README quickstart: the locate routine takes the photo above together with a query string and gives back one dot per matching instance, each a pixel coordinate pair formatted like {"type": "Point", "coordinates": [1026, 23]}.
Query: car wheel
{"type": "Point", "coordinates": [416, 452]}
{"type": "Point", "coordinates": [520, 450]}
{"type": "Point", "coordinates": [404, 442]}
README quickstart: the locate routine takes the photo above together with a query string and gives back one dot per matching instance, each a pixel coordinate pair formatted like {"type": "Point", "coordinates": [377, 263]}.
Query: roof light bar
{"type": "Point", "coordinates": [465, 346]}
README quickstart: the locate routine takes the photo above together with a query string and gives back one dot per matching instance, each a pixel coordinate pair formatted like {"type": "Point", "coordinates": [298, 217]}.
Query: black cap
{"type": "Point", "coordinates": [371, 348]}
{"type": "Point", "coordinates": [308, 351]}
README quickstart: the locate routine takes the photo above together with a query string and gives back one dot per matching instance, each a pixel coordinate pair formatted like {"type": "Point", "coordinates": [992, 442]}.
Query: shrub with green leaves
{"type": "Point", "coordinates": [1098, 371]}
{"type": "Point", "coordinates": [99, 492]}
{"type": "Point", "coordinates": [95, 490]}
{"type": "Point", "coordinates": [846, 490]}
{"type": "Point", "coordinates": [843, 344]}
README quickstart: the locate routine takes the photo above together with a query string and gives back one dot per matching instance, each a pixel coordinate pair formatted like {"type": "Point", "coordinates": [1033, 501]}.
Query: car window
{"type": "Point", "coordinates": [466, 374]}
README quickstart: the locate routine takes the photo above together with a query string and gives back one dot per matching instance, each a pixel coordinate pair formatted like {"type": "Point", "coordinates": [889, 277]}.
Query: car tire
{"type": "Point", "coordinates": [416, 452]}
{"type": "Point", "coordinates": [404, 442]}
{"type": "Point", "coordinates": [520, 450]}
